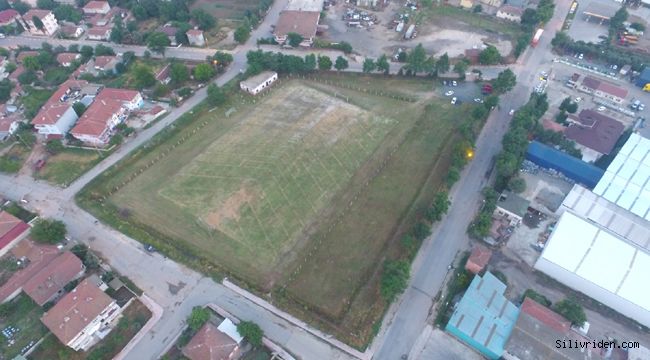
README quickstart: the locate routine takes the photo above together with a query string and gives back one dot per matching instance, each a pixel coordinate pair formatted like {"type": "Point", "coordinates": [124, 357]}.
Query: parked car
{"type": "Point", "coordinates": [453, 100]}
{"type": "Point", "coordinates": [581, 56]}
{"type": "Point", "coordinates": [601, 108]}
{"type": "Point", "coordinates": [578, 99]}
{"type": "Point", "coordinates": [454, 83]}
{"type": "Point", "coordinates": [478, 100]}
{"type": "Point", "coordinates": [449, 93]}
{"type": "Point", "coordinates": [511, 112]}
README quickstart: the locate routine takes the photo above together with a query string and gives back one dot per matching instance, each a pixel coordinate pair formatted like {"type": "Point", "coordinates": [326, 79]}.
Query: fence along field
{"type": "Point", "coordinates": [246, 198]}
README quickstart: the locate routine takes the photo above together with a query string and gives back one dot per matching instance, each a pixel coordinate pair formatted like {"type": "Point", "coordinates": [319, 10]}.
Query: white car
{"type": "Point", "coordinates": [478, 100]}
{"type": "Point", "coordinates": [511, 112]}
{"type": "Point", "coordinates": [449, 93]}
{"type": "Point", "coordinates": [581, 56]}
{"type": "Point", "coordinates": [578, 99]}
{"type": "Point", "coordinates": [601, 108]}
{"type": "Point", "coordinates": [453, 100]}
{"type": "Point", "coordinates": [454, 83]}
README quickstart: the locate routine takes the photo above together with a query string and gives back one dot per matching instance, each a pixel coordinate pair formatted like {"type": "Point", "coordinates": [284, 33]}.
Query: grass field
{"type": "Point", "coordinates": [302, 193]}
{"type": "Point", "coordinates": [23, 314]}
{"type": "Point", "coordinates": [226, 9]}
{"type": "Point", "coordinates": [65, 167]}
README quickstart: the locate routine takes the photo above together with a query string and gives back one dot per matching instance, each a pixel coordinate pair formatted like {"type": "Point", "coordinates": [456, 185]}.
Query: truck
{"type": "Point", "coordinates": [409, 32]}
{"type": "Point", "coordinates": [538, 35]}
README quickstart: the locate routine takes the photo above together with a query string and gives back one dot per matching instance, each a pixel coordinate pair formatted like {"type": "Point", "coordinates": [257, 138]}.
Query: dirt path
{"type": "Point", "coordinates": [38, 152]}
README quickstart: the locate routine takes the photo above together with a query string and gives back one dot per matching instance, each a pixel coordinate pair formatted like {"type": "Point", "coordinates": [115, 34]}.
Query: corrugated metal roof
{"type": "Point", "coordinates": [571, 167]}
{"type": "Point", "coordinates": [484, 314]}
{"type": "Point", "coordinates": [627, 179]}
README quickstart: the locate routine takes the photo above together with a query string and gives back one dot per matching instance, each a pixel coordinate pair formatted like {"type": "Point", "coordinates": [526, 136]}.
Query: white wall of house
{"type": "Point", "coordinates": [261, 86]}
{"type": "Point", "coordinates": [62, 126]}
{"type": "Point", "coordinates": [86, 338]}
{"type": "Point", "coordinates": [508, 16]}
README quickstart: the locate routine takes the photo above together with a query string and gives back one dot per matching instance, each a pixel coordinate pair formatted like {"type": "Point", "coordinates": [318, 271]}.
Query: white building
{"type": "Point", "coordinates": [97, 7]}
{"type": "Point", "coordinates": [57, 116]}
{"type": "Point", "coordinates": [600, 264]}
{"type": "Point", "coordinates": [511, 13]}
{"type": "Point", "coordinates": [82, 317]}
{"type": "Point", "coordinates": [255, 84]}
{"type": "Point", "coordinates": [50, 25]}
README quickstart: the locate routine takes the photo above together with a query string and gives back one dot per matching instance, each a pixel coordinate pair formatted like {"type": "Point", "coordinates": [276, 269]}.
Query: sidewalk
{"type": "Point", "coordinates": [156, 314]}
{"type": "Point", "coordinates": [283, 315]}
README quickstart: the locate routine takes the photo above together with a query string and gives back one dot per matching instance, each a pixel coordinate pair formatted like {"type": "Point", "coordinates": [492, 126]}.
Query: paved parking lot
{"type": "Point", "coordinates": [435, 344]}
{"type": "Point", "coordinates": [589, 30]}
{"type": "Point", "coordinates": [464, 91]}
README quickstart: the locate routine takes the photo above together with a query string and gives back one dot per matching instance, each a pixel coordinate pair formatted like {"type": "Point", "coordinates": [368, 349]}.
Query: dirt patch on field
{"type": "Point", "coordinates": [230, 208]}
{"type": "Point", "coordinates": [455, 42]}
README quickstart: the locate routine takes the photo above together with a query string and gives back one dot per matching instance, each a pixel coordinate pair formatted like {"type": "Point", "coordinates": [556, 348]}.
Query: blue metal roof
{"type": "Point", "coordinates": [484, 318]}
{"type": "Point", "coordinates": [644, 78]}
{"type": "Point", "coordinates": [572, 167]}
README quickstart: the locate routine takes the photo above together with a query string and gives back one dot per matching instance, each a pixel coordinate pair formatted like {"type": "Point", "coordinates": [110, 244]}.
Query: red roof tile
{"type": "Point", "coordinates": [102, 61]}
{"type": "Point", "coordinates": [54, 108]}
{"type": "Point", "coordinates": [39, 13]}
{"type": "Point", "coordinates": [95, 121]}
{"type": "Point", "coordinates": [10, 228]}
{"type": "Point", "coordinates": [478, 259]}
{"type": "Point", "coordinates": [304, 23]}
{"type": "Point", "coordinates": [99, 31]}
{"type": "Point", "coordinates": [39, 256]}
{"type": "Point", "coordinates": [210, 344]}
{"type": "Point", "coordinates": [75, 311]}
{"type": "Point", "coordinates": [8, 16]}
{"type": "Point", "coordinates": [53, 277]}
{"type": "Point", "coordinates": [66, 58]}
{"type": "Point", "coordinates": [545, 315]}
{"type": "Point", "coordinates": [95, 5]}
{"type": "Point", "coordinates": [596, 131]}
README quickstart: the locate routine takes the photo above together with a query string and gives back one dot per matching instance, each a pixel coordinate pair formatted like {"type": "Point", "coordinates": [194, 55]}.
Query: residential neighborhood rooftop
{"type": "Point", "coordinates": [304, 23]}
{"type": "Point", "coordinates": [53, 277]}
{"type": "Point", "coordinates": [10, 228]}
{"type": "Point", "coordinates": [210, 343]}
{"type": "Point", "coordinates": [595, 131]}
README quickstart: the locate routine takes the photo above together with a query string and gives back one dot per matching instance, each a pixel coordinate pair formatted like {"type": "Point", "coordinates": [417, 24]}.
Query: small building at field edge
{"type": "Point", "coordinates": [255, 84]}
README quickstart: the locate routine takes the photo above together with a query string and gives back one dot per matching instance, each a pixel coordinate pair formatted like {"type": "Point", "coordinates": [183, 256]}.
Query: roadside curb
{"type": "Point", "coordinates": [156, 314]}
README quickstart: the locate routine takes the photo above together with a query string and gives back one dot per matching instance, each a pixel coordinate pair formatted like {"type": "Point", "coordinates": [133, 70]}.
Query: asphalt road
{"type": "Point", "coordinates": [407, 319]}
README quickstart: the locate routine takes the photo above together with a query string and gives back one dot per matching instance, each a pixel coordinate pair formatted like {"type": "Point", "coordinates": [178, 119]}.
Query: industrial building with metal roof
{"type": "Point", "coordinates": [597, 262]}
{"type": "Point", "coordinates": [573, 168]}
{"type": "Point", "coordinates": [627, 179]}
{"type": "Point", "coordinates": [484, 318]}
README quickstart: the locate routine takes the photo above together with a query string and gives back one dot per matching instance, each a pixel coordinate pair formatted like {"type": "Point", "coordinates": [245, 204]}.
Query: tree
{"type": "Point", "coordinates": [242, 33]}
{"type": "Point", "coordinates": [21, 7]}
{"type": "Point", "coordinates": [394, 278]}
{"type": "Point", "coordinates": [79, 108]}
{"type": "Point", "coordinates": [491, 101]}
{"type": "Point", "coordinates": [67, 13]}
{"type": "Point", "coordinates": [87, 52]}
{"type": "Point", "coordinates": [517, 185]}
{"type": "Point", "coordinates": [204, 20]}
{"type": "Point", "coordinates": [442, 65]}
{"type": "Point", "coordinates": [572, 311]}
{"type": "Point", "coordinates": [222, 58]}
{"type": "Point", "coordinates": [416, 61]}
{"type": "Point", "coordinates": [529, 18]}
{"type": "Point", "coordinates": [251, 332]}
{"type": "Point", "coordinates": [561, 39]}
{"type": "Point", "coordinates": [54, 146]}
{"type": "Point", "coordinates": [294, 39]}
{"type": "Point", "coordinates": [505, 81]}
{"type": "Point", "coordinates": [616, 21]}
{"type": "Point", "coordinates": [216, 95]}
{"type": "Point", "coordinates": [157, 42]}
{"type": "Point", "coordinates": [5, 89]}
{"type": "Point", "coordinates": [27, 77]}
{"type": "Point", "coordinates": [369, 65]}
{"type": "Point", "coordinates": [48, 231]}
{"type": "Point", "coordinates": [341, 63]}
{"type": "Point", "coordinates": [117, 33]}
{"type": "Point", "coordinates": [439, 207]}
{"type": "Point", "coordinates": [10, 67]}
{"type": "Point", "coordinates": [489, 56]}
{"type": "Point", "coordinates": [198, 317]}
{"type": "Point", "coordinates": [324, 63]}
{"type": "Point", "coordinates": [103, 50]}
{"type": "Point", "coordinates": [461, 66]}
{"type": "Point", "coordinates": [310, 62]}
{"type": "Point", "coordinates": [382, 64]}
{"type": "Point", "coordinates": [203, 72]}
{"type": "Point", "coordinates": [637, 26]}
{"type": "Point", "coordinates": [178, 73]}
{"type": "Point", "coordinates": [545, 10]}
{"type": "Point", "coordinates": [143, 76]}
{"type": "Point", "coordinates": [31, 63]}
{"type": "Point", "coordinates": [38, 22]}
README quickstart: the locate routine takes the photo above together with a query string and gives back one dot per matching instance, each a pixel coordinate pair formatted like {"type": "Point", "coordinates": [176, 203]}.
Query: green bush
{"type": "Point", "coordinates": [534, 295]}
{"type": "Point", "coordinates": [394, 278]}
{"type": "Point", "coordinates": [251, 332]}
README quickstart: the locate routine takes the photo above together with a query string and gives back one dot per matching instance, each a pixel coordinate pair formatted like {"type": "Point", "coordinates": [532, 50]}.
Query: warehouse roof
{"type": "Point", "coordinates": [627, 179]}
{"type": "Point", "coordinates": [570, 166]}
{"type": "Point", "coordinates": [623, 223]}
{"type": "Point", "coordinates": [513, 203]}
{"type": "Point", "coordinates": [598, 256]}
{"type": "Point", "coordinates": [484, 316]}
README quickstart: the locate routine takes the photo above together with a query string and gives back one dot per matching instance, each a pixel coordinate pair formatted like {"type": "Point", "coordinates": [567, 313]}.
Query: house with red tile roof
{"type": "Point", "coordinates": [304, 23]}
{"type": "Point", "coordinates": [48, 283]}
{"type": "Point", "coordinates": [12, 230]}
{"type": "Point", "coordinates": [195, 37]}
{"type": "Point", "coordinates": [211, 343]}
{"type": "Point", "coordinates": [9, 123]}
{"type": "Point", "coordinates": [50, 25]}
{"type": "Point", "coordinates": [66, 59]}
{"type": "Point", "coordinates": [9, 17]}
{"type": "Point", "coordinates": [23, 54]}
{"type": "Point", "coordinates": [478, 259]}
{"type": "Point", "coordinates": [33, 257]}
{"type": "Point", "coordinates": [595, 134]}
{"type": "Point", "coordinates": [110, 108]}
{"type": "Point", "coordinates": [57, 116]}
{"type": "Point", "coordinates": [82, 316]}
{"type": "Point", "coordinates": [535, 334]}
{"type": "Point", "coordinates": [511, 13]}
{"type": "Point", "coordinates": [71, 31]}
{"type": "Point", "coordinates": [99, 33]}
{"type": "Point", "coordinates": [97, 7]}
{"type": "Point", "coordinates": [602, 89]}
